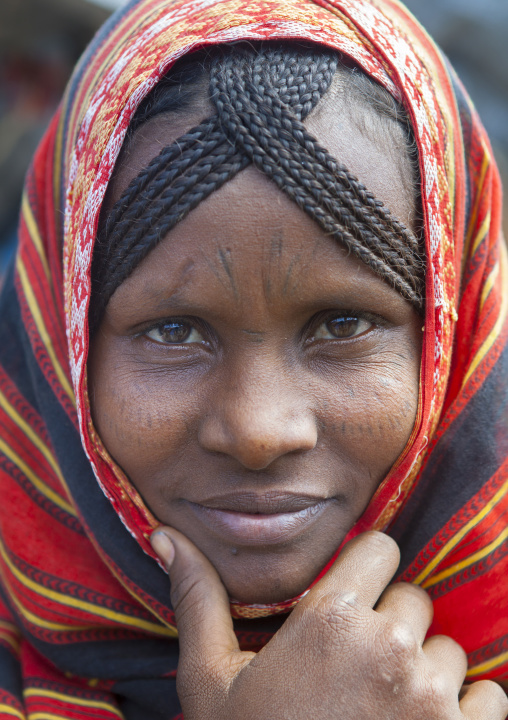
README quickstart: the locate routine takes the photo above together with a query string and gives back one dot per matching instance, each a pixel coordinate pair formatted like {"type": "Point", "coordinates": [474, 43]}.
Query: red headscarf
{"type": "Point", "coordinates": [85, 625]}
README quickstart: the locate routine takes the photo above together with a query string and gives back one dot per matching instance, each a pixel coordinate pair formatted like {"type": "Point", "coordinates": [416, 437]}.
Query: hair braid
{"type": "Point", "coordinates": [169, 209]}
{"type": "Point", "coordinates": [125, 225]}
{"type": "Point", "coordinates": [151, 180]}
{"type": "Point", "coordinates": [266, 131]}
{"type": "Point", "coordinates": [261, 98]}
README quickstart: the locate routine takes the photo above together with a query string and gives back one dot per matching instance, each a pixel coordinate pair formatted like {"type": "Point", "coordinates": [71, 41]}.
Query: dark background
{"type": "Point", "coordinates": [40, 41]}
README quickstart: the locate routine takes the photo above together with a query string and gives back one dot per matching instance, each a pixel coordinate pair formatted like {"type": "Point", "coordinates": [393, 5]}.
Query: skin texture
{"type": "Point", "coordinates": [348, 651]}
{"type": "Point", "coordinates": [293, 389]}
{"type": "Point", "coordinates": [261, 409]}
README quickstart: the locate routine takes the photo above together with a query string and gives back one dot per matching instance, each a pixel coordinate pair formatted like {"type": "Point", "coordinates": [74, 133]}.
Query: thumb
{"type": "Point", "coordinates": [199, 600]}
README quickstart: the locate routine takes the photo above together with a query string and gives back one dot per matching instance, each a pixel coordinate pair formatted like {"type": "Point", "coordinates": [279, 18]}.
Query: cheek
{"type": "Point", "coordinates": [148, 420]}
{"type": "Point", "coordinates": [372, 416]}
{"type": "Point", "coordinates": [142, 426]}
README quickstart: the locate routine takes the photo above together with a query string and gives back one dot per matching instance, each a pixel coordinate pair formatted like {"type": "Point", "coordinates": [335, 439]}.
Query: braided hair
{"type": "Point", "coordinates": [261, 97]}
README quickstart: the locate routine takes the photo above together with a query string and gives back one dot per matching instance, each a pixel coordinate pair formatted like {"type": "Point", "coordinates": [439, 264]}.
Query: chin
{"type": "Point", "coordinates": [267, 583]}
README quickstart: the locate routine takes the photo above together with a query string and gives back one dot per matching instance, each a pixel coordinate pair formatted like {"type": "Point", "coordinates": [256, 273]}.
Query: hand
{"type": "Point", "coordinates": [348, 650]}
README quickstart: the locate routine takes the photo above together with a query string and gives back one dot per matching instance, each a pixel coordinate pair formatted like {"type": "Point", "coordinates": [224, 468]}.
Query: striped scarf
{"type": "Point", "coordinates": [86, 630]}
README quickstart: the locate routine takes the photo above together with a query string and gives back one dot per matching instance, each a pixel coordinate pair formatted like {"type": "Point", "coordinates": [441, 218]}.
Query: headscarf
{"type": "Point", "coordinates": [86, 629]}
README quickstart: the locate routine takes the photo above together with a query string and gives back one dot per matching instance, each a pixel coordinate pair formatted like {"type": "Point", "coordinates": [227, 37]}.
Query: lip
{"type": "Point", "coordinates": [259, 519]}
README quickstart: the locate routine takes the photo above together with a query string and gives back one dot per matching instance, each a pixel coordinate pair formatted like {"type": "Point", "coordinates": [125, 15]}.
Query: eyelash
{"type": "Point", "coordinates": [347, 315]}
{"type": "Point", "coordinates": [317, 323]}
{"type": "Point", "coordinates": [191, 323]}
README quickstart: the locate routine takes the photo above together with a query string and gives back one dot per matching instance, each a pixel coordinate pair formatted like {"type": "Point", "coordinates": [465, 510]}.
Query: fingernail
{"type": "Point", "coordinates": [163, 547]}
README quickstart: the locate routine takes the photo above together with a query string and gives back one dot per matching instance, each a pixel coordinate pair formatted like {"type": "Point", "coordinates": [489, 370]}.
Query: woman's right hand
{"type": "Point", "coordinates": [352, 649]}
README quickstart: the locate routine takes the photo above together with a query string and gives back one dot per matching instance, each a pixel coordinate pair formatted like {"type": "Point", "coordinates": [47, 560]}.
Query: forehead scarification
{"type": "Point", "coordinates": [261, 97]}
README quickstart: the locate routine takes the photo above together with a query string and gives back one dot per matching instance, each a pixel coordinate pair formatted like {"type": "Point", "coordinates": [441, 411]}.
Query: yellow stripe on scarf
{"type": "Point", "coordinates": [41, 327]}
{"type": "Point", "coordinates": [487, 666]}
{"type": "Point", "coordinates": [455, 540]}
{"type": "Point", "coordinates": [12, 712]}
{"type": "Point", "coordinates": [474, 212]}
{"type": "Point", "coordinates": [35, 236]}
{"type": "Point", "coordinates": [489, 284]}
{"type": "Point", "coordinates": [494, 333]}
{"type": "Point", "coordinates": [101, 612]}
{"type": "Point", "coordinates": [36, 620]}
{"type": "Point", "coordinates": [33, 437]}
{"type": "Point", "coordinates": [72, 700]}
{"type": "Point", "coordinates": [466, 562]}
{"type": "Point", "coordinates": [35, 480]}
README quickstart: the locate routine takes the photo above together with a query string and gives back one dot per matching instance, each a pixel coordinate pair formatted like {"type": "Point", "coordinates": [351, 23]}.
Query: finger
{"type": "Point", "coordinates": [448, 660]}
{"type": "Point", "coordinates": [408, 604]}
{"type": "Point", "coordinates": [198, 597]}
{"type": "Point", "coordinates": [355, 581]}
{"type": "Point", "coordinates": [360, 574]}
{"type": "Point", "coordinates": [484, 700]}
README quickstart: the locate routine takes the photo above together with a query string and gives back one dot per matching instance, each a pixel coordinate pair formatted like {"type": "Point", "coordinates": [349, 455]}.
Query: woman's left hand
{"type": "Point", "coordinates": [353, 648]}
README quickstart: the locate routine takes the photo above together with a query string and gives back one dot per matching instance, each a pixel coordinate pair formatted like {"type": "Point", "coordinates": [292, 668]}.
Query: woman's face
{"type": "Point", "coordinates": [255, 381]}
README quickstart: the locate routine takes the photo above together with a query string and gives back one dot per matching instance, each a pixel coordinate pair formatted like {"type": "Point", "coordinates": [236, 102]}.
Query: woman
{"type": "Point", "coordinates": [387, 412]}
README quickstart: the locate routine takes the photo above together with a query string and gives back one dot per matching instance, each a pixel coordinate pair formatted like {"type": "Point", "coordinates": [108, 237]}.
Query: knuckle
{"type": "Point", "coordinates": [400, 641]}
{"type": "Point", "coordinates": [396, 651]}
{"type": "Point", "coordinates": [336, 611]}
{"type": "Point", "coordinates": [333, 617]}
{"type": "Point", "coordinates": [493, 691]}
{"type": "Point", "coordinates": [437, 688]}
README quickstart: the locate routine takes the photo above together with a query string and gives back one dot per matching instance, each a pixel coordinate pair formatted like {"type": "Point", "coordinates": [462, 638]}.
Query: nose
{"type": "Point", "coordinates": [259, 419]}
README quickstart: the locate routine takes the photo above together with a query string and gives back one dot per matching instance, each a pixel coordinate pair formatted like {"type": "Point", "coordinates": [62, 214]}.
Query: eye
{"type": "Point", "coordinates": [176, 332]}
{"type": "Point", "coordinates": [342, 327]}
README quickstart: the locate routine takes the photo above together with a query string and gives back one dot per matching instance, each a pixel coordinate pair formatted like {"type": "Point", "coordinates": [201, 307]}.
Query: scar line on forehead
{"type": "Point", "coordinates": [226, 264]}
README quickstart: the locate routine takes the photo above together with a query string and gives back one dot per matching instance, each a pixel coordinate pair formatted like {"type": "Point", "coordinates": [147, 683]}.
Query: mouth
{"type": "Point", "coordinates": [259, 518]}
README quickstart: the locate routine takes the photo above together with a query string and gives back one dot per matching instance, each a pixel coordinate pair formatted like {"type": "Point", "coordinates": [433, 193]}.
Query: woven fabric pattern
{"type": "Point", "coordinates": [85, 625]}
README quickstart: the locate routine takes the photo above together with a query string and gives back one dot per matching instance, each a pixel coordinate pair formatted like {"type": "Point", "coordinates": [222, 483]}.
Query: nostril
{"type": "Point", "coordinates": [257, 445]}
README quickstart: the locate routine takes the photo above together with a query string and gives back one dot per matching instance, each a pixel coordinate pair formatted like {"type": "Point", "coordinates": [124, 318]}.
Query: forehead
{"type": "Point", "coordinates": [247, 254]}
